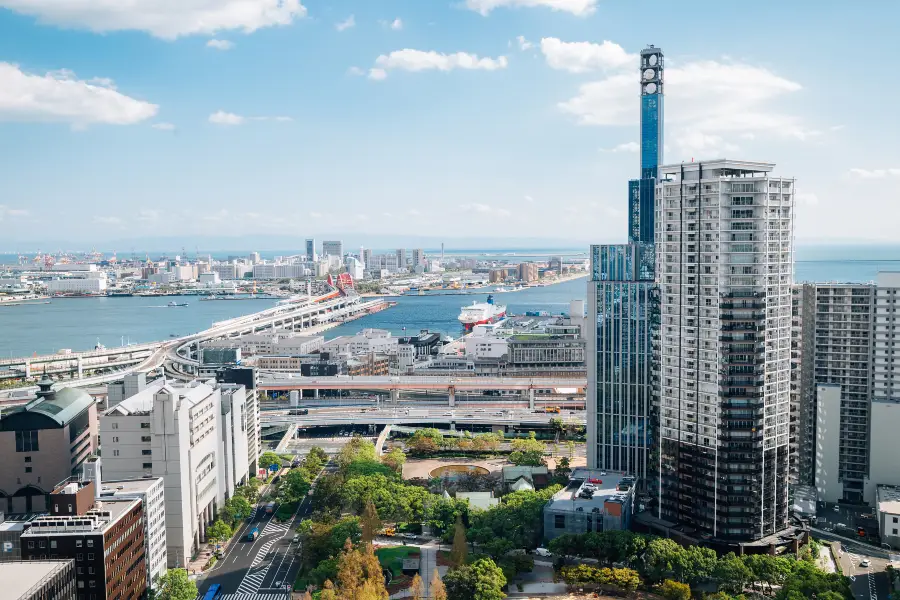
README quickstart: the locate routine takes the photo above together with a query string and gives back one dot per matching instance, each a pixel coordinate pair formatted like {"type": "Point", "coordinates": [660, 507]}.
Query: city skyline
{"type": "Point", "coordinates": [479, 115]}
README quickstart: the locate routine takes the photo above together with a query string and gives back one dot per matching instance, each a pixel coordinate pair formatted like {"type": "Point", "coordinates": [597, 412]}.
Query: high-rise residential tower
{"type": "Point", "coordinates": [724, 265]}
{"type": "Point", "coordinates": [641, 191]}
{"type": "Point", "coordinates": [311, 250]}
{"type": "Point", "coordinates": [622, 309]}
{"type": "Point", "coordinates": [333, 248]}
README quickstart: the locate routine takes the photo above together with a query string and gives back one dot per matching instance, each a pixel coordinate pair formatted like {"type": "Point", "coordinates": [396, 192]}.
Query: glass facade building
{"type": "Point", "coordinates": [622, 302]}
{"type": "Point", "coordinates": [641, 192]}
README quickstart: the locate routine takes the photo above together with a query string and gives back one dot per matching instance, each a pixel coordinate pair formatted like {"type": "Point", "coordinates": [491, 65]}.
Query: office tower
{"type": "Point", "coordinates": [366, 256]}
{"type": "Point", "coordinates": [311, 250]}
{"type": "Point", "coordinates": [418, 257]}
{"type": "Point", "coordinates": [641, 191]}
{"type": "Point", "coordinates": [401, 259]}
{"type": "Point", "coordinates": [623, 312]}
{"type": "Point", "coordinates": [621, 301]}
{"type": "Point", "coordinates": [724, 269]}
{"type": "Point", "coordinates": [333, 248]}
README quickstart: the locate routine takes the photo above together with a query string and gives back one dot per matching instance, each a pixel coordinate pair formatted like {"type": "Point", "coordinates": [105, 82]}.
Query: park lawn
{"type": "Point", "coordinates": [392, 557]}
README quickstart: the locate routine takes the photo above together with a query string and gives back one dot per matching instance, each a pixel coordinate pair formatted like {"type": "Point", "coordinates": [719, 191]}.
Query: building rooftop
{"type": "Point", "coordinates": [888, 499]}
{"type": "Point", "coordinates": [142, 402]}
{"type": "Point", "coordinates": [104, 515]}
{"type": "Point", "coordinates": [608, 486]}
{"type": "Point", "coordinates": [117, 487]}
{"type": "Point", "coordinates": [61, 405]}
{"type": "Point", "coordinates": [19, 577]}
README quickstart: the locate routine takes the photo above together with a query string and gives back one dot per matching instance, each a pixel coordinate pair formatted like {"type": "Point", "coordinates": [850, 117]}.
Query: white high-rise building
{"type": "Point", "coordinates": [724, 268]}
{"type": "Point", "coordinates": [194, 436]}
{"type": "Point", "coordinates": [333, 248]}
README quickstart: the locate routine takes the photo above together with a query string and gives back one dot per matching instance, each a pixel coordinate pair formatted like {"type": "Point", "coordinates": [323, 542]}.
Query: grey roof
{"type": "Point", "coordinates": [60, 405]}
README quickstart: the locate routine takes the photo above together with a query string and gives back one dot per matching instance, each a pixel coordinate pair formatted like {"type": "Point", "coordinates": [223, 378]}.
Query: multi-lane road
{"type": "Point", "coordinates": [264, 568]}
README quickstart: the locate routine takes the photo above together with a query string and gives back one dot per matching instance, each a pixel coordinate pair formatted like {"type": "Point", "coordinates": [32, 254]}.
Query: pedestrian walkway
{"type": "Point", "coordinates": [240, 596]}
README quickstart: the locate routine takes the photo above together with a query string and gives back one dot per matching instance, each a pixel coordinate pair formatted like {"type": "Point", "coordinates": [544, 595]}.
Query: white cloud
{"type": "Point", "coordinates": [485, 209]}
{"type": "Point", "coordinates": [387, 214]}
{"type": "Point", "coordinates": [346, 24]}
{"type": "Point", "coordinates": [523, 43]}
{"type": "Point", "coordinates": [356, 71]}
{"type": "Point", "coordinates": [581, 57]}
{"type": "Point", "coordinates": [220, 44]}
{"type": "Point", "coordinates": [315, 215]}
{"type": "Point", "coordinates": [148, 214]}
{"type": "Point", "coordinates": [707, 103]}
{"type": "Point", "coordinates": [874, 173]}
{"type": "Point", "coordinates": [414, 213]}
{"type": "Point", "coordinates": [580, 8]}
{"type": "Point", "coordinates": [397, 24]}
{"type": "Point", "coordinates": [626, 147]}
{"type": "Point", "coordinates": [6, 211]}
{"type": "Point", "coordinates": [420, 60]}
{"type": "Point", "coordinates": [529, 199]}
{"type": "Point", "coordinates": [164, 19]}
{"type": "Point", "coordinates": [163, 126]}
{"type": "Point", "coordinates": [107, 220]}
{"type": "Point", "coordinates": [59, 96]}
{"type": "Point", "coordinates": [225, 118]}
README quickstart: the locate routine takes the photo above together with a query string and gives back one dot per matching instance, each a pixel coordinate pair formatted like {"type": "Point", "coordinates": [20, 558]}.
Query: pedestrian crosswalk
{"type": "Point", "coordinates": [251, 596]}
{"type": "Point", "coordinates": [253, 578]}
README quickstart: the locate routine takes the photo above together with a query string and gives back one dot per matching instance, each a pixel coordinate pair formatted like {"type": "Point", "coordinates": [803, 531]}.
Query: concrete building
{"type": "Point", "coordinates": [887, 511]}
{"type": "Point", "coordinates": [191, 435]}
{"type": "Point", "coordinates": [311, 255]}
{"type": "Point", "coordinates": [44, 442]}
{"type": "Point", "coordinates": [151, 492]}
{"type": "Point", "coordinates": [247, 377]}
{"type": "Point", "coordinates": [228, 271]}
{"type": "Point", "coordinates": [365, 342]}
{"type": "Point", "coordinates": [333, 248]}
{"type": "Point", "coordinates": [803, 394]}
{"type": "Point", "coordinates": [478, 347]}
{"type": "Point", "coordinates": [73, 285]}
{"type": "Point", "coordinates": [418, 257]}
{"type": "Point", "coordinates": [528, 272]}
{"type": "Point", "coordinates": [401, 259]}
{"type": "Point", "coordinates": [724, 266]}
{"type": "Point", "coordinates": [592, 501]}
{"type": "Point", "coordinates": [105, 539]}
{"type": "Point", "coordinates": [39, 580]}
{"type": "Point", "coordinates": [887, 339]}
{"type": "Point", "coordinates": [884, 468]}
{"type": "Point", "coordinates": [130, 385]}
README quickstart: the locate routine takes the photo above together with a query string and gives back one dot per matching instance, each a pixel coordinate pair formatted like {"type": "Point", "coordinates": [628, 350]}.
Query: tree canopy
{"type": "Point", "coordinates": [516, 523]}
{"type": "Point", "coordinates": [267, 459]}
{"type": "Point", "coordinates": [295, 485]}
{"type": "Point", "coordinates": [175, 585]}
{"type": "Point", "coordinates": [482, 580]}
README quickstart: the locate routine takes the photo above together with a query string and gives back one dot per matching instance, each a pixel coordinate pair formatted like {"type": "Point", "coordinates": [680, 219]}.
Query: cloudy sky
{"type": "Point", "coordinates": [457, 117]}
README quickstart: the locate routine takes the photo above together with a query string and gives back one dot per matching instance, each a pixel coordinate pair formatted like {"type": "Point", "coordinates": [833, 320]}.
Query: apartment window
{"type": "Point", "coordinates": [27, 459]}
{"type": "Point", "coordinates": [148, 465]}
{"type": "Point", "coordinates": [115, 439]}
{"type": "Point", "coordinates": [79, 556]}
{"type": "Point", "coordinates": [559, 521]}
{"type": "Point", "coordinates": [895, 519]}
{"type": "Point", "coordinates": [145, 425]}
{"type": "Point", "coordinates": [90, 543]}
{"type": "Point", "coordinates": [92, 583]}
{"type": "Point", "coordinates": [90, 570]}
{"type": "Point", "coordinates": [895, 532]}
{"type": "Point", "coordinates": [115, 425]}
{"type": "Point", "coordinates": [30, 544]}
{"type": "Point", "coordinates": [81, 584]}
{"type": "Point", "coordinates": [27, 441]}
{"type": "Point", "coordinates": [81, 570]}
{"type": "Point", "coordinates": [115, 452]}
{"type": "Point", "coordinates": [145, 438]}
{"type": "Point", "coordinates": [90, 556]}
{"type": "Point", "coordinates": [79, 543]}
{"type": "Point", "coordinates": [28, 469]}
{"type": "Point", "coordinates": [53, 543]}
{"type": "Point", "coordinates": [42, 544]}
{"type": "Point", "coordinates": [146, 452]}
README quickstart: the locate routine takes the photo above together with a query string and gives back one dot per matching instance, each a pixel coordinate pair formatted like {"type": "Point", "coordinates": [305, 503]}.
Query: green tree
{"type": "Point", "coordinates": [360, 574]}
{"type": "Point", "coordinates": [357, 448]}
{"type": "Point", "coordinates": [425, 441]}
{"type": "Point", "coordinates": [563, 470]}
{"type": "Point", "coordinates": [516, 523]}
{"type": "Point", "coordinates": [487, 442]}
{"type": "Point", "coordinates": [175, 585]}
{"type": "Point", "coordinates": [268, 459]}
{"type": "Point", "coordinates": [675, 590]}
{"type": "Point", "coordinates": [694, 564]}
{"type": "Point", "coordinates": [295, 485]}
{"type": "Point", "coordinates": [442, 513]}
{"type": "Point", "coordinates": [359, 468]}
{"type": "Point", "coordinates": [807, 581]}
{"type": "Point", "coordinates": [395, 460]}
{"type": "Point", "coordinates": [237, 507]}
{"type": "Point", "coordinates": [249, 492]}
{"type": "Point", "coordinates": [322, 540]}
{"type": "Point", "coordinates": [570, 447]}
{"type": "Point", "coordinates": [482, 580]}
{"type": "Point", "coordinates": [660, 558]}
{"type": "Point", "coordinates": [218, 531]}
{"type": "Point", "coordinates": [558, 426]}
{"type": "Point", "coordinates": [437, 588]}
{"type": "Point", "coordinates": [328, 592]}
{"type": "Point", "coordinates": [732, 573]}
{"type": "Point", "coordinates": [460, 547]}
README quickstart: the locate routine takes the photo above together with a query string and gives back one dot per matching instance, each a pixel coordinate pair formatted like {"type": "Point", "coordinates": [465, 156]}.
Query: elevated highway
{"type": "Point", "coordinates": [282, 382]}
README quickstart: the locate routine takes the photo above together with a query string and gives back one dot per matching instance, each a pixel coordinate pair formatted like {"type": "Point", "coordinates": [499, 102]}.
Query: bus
{"type": "Point", "coordinates": [254, 533]}
{"type": "Point", "coordinates": [270, 508]}
{"type": "Point", "coordinates": [214, 592]}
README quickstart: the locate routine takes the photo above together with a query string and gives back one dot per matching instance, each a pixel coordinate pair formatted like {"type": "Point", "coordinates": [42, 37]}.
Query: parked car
{"type": "Point", "coordinates": [542, 552]}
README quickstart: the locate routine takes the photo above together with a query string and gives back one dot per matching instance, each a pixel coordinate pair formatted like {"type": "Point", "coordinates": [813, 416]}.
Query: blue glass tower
{"type": "Point", "coordinates": [641, 191]}
{"type": "Point", "coordinates": [624, 313]}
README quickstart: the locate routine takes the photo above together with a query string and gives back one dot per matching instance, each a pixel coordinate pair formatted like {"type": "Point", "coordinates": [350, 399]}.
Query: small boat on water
{"type": "Point", "coordinates": [173, 304]}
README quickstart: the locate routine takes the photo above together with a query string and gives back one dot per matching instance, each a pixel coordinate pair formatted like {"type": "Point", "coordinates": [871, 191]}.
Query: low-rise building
{"type": "Point", "coordinates": [887, 511]}
{"type": "Point", "coordinates": [105, 539]}
{"type": "Point", "coordinates": [365, 342]}
{"type": "Point", "coordinates": [39, 580]}
{"type": "Point", "coordinates": [592, 501]}
{"type": "Point", "coordinates": [369, 365]}
{"type": "Point", "coordinates": [77, 285]}
{"type": "Point", "coordinates": [42, 443]}
{"type": "Point", "coordinates": [11, 529]}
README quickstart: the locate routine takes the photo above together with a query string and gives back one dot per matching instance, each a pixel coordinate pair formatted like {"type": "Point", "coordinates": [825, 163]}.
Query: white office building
{"type": "Point", "coordinates": [74, 285]}
{"type": "Point", "coordinates": [724, 268]}
{"type": "Point", "coordinates": [192, 435]}
{"type": "Point", "coordinates": [418, 257]}
{"type": "Point", "coordinates": [379, 341]}
{"type": "Point", "coordinates": [333, 248]}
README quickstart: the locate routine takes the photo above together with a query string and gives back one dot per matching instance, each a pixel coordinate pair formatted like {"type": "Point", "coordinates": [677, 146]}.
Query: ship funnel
{"type": "Point", "coordinates": [490, 299]}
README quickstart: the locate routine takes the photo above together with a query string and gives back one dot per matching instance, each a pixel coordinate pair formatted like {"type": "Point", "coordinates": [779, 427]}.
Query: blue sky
{"type": "Point", "coordinates": [507, 118]}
